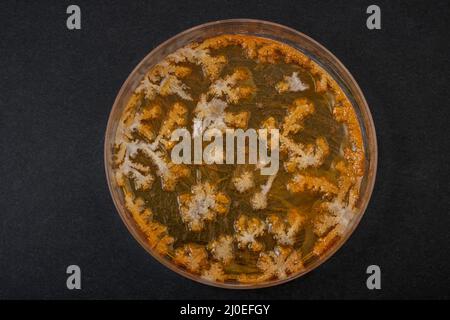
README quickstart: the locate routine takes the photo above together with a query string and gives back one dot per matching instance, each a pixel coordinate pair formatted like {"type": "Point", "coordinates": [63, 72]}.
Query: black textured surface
{"type": "Point", "coordinates": [56, 91]}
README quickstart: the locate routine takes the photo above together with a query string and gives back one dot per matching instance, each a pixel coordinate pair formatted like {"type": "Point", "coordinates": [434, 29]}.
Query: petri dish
{"type": "Point", "coordinates": [208, 222]}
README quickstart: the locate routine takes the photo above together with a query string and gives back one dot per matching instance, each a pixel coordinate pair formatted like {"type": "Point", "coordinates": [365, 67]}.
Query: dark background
{"type": "Point", "coordinates": [58, 86]}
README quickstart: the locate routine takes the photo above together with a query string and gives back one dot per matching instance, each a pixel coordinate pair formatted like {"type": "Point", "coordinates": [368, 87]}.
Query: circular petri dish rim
{"type": "Point", "coordinates": [265, 29]}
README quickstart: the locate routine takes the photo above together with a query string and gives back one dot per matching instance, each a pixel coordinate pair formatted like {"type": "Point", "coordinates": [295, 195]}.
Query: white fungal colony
{"type": "Point", "coordinates": [222, 249]}
{"type": "Point", "coordinates": [291, 83]}
{"type": "Point", "coordinates": [285, 231]}
{"type": "Point", "coordinates": [168, 85]}
{"type": "Point", "coordinates": [247, 231]}
{"type": "Point", "coordinates": [244, 181]}
{"type": "Point", "coordinates": [201, 205]}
